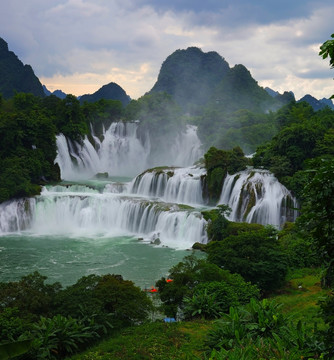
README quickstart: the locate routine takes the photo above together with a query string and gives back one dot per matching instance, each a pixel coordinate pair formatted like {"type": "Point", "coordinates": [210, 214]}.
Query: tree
{"type": "Point", "coordinates": [30, 295]}
{"type": "Point", "coordinates": [103, 296]}
{"type": "Point", "coordinates": [327, 50]}
{"type": "Point", "coordinates": [202, 288]}
{"type": "Point", "coordinates": [317, 220]}
{"type": "Point", "coordinates": [218, 163]}
{"type": "Point", "coordinates": [318, 214]}
{"type": "Point", "coordinates": [255, 255]}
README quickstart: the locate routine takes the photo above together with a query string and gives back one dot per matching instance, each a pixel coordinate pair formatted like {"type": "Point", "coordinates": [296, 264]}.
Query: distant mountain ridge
{"type": "Point", "coordinates": [15, 76]}
{"type": "Point", "coordinates": [193, 78]}
{"type": "Point", "coordinates": [60, 94]}
{"type": "Point", "coordinates": [111, 91]}
{"type": "Point", "coordinates": [317, 104]}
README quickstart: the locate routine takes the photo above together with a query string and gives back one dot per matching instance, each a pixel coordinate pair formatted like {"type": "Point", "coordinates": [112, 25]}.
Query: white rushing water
{"type": "Point", "coordinates": [257, 196]}
{"type": "Point", "coordinates": [79, 211]}
{"type": "Point", "coordinates": [178, 185]}
{"type": "Point", "coordinates": [117, 208]}
{"type": "Point", "coordinates": [120, 151]}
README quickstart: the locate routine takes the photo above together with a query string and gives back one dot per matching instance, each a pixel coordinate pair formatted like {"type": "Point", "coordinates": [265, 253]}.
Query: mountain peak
{"type": "Point", "coordinates": [190, 76]}
{"type": "Point", "coordinates": [15, 76]}
{"type": "Point", "coordinates": [111, 91]}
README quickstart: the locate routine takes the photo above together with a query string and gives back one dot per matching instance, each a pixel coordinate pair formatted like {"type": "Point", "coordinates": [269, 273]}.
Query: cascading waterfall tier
{"type": "Point", "coordinates": [118, 152]}
{"type": "Point", "coordinates": [257, 196]}
{"type": "Point", "coordinates": [85, 212]}
{"type": "Point", "coordinates": [177, 185]}
{"type": "Point", "coordinates": [16, 215]}
{"type": "Point", "coordinates": [121, 151]}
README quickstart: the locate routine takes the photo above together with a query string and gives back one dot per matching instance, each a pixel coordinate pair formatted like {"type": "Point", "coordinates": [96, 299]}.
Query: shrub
{"type": "Point", "coordinates": [201, 288]}
{"type": "Point", "coordinates": [256, 255]}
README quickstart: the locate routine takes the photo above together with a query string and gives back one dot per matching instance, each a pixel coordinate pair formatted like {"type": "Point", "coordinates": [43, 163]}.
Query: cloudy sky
{"type": "Point", "coordinates": [79, 45]}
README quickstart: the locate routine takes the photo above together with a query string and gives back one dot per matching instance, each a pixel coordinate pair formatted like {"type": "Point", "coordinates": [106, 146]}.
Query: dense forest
{"type": "Point", "coordinates": [243, 265]}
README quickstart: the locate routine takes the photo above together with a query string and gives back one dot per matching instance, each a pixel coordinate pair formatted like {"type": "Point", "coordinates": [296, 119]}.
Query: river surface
{"type": "Point", "coordinates": [67, 259]}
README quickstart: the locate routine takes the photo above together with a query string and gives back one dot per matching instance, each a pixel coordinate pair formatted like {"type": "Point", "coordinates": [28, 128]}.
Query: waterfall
{"type": "Point", "coordinates": [257, 196]}
{"type": "Point", "coordinates": [177, 185]}
{"type": "Point", "coordinates": [118, 152]}
{"type": "Point", "coordinates": [80, 211]}
{"type": "Point", "coordinates": [121, 151]}
{"type": "Point", "coordinates": [187, 148]}
{"type": "Point", "coordinates": [16, 215]}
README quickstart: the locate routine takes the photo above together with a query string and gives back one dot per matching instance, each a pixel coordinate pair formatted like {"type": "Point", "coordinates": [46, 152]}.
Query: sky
{"type": "Point", "coordinates": [78, 46]}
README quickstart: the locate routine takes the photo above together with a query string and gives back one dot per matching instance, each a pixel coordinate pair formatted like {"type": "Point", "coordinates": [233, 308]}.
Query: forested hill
{"type": "Point", "coordinates": [15, 76]}
{"type": "Point", "coordinates": [111, 91]}
{"type": "Point", "coordinates": [190, 76]}
{"type": "Point", "coordinates": [196, 79]}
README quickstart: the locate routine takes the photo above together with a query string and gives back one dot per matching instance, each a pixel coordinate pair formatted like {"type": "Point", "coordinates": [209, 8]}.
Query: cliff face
{"type": "Point", "coordinates": [15, 76]}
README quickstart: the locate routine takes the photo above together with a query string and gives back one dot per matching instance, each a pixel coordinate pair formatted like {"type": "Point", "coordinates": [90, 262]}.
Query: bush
{"type": "Point", "coordinates": [31, 296]}
{"type": "Point", "coordinates": [60, 336]}
{"type": "Point", "coordinates": [260, 330]}
{"type": "Point", "coordinates": [203, 289]}
{"type": "Point", "coordinates": [103, 295]}
{"type": "Point", "coordinates": [256, 255]}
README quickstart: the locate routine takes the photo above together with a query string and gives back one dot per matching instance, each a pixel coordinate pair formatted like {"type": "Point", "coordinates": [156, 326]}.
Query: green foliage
{"type": "Point", "coordinates": [71, 318]}
{"type": "Point", "coordinates": [28, 129]}
{"type": "Point", "coordinates": [71, 121]}
{"type": "Point", "coordinates": [153, 341]}
{"type": "Point", "coordinates": [103, 295]}
{"type": "Point", "coordinates": [300, 249]}
{"type": "Point", "coordinates": [318, 220]}
{"type": "Point", "coordinates": [12, 326]}
{"type": "Point", "coordinates": [305, 136]}
{"type": "Point", "coordinates": [209, 300]}
{"type": "Point", "coordinates": [327, 307]}
{"type": "Point", "coordinates": [14, 349]}
{"type": "Point", "coordinates": [30, 295]}
{"type": "Point", "coordinates": [202, 303]}
{"type": "Point", "coordinates": [102, 113]}
{"type": "Point", "coordinates": [27, 148]}
{"type": "Point", "coordinates": [59, 336]}
{"type": "Point", "coordinates": [217, 222]}
{"type": "Point", "coordinates": [256, 255]}
{"type": "Point", "coordinates": [327, 50]}
{"type": "Point", "coordinates": [260, 329]}
{"type": "Point", "coordinates": [318, 214]}
{"type": "Point", "coordinates": [218, 163]}
{"type": "Point", "coordinates": [201, 288]}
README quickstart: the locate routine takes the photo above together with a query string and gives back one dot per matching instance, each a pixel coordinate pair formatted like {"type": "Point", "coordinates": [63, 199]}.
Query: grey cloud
{"type": "Point", "coordinates": [86, 36]}
{"type": "Point", "coordinates": [315, 74]}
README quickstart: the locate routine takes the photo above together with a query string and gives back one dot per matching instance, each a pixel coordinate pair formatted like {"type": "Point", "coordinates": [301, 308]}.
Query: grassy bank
{"type": "Point", "coordinates": [186, 340]}
{"type": "Point", "coordinates": [159, 341]}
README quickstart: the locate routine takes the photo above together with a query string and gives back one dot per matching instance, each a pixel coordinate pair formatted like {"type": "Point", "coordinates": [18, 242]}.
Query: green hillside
{"type": "Point", "coordinates": [16, 77]}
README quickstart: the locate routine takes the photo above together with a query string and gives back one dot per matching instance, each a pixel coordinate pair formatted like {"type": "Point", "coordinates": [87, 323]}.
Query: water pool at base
{"type": "Point", "coordinates": [66, 259]}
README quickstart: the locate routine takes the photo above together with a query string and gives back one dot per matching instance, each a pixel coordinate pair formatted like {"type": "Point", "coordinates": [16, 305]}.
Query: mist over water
{"type": "Point", "coordinates": [122, 151]}
{"type": "Point", "coordinates": [132, 221]}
